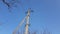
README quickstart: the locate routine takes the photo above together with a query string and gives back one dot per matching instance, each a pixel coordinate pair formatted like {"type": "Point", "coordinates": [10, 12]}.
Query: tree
{"type": "Point", "coordinates": [11, 3]}
{"type": "Point", "coordinates": [45, 32]}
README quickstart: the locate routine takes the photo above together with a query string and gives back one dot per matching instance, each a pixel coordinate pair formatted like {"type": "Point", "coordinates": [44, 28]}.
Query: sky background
{"type": "Point", "coordinates": [46, 16]}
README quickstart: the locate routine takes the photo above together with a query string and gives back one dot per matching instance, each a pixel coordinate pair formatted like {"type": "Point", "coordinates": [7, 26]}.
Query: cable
{"type": "Point", "coordinates": [14, 32]}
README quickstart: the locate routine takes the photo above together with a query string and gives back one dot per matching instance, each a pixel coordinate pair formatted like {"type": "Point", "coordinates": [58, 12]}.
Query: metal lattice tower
{"type": "Point", "coordinates": [27, 23]}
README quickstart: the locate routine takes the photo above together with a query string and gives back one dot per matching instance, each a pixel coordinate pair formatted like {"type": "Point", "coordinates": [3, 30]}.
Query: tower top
{"type": "Point", "coordinates": [29, 10]}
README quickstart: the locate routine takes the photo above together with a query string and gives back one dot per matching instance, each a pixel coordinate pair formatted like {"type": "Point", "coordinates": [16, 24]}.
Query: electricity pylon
{"type": "Point", "coordinates": [27, 23]}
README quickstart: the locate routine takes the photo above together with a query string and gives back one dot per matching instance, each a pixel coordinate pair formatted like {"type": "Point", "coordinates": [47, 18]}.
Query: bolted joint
{"type": "Point", "coordinates": [27, 24]}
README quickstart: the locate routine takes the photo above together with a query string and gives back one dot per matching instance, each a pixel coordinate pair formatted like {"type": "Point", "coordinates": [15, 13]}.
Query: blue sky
{"type": "Point", "coordinates": [46, 16]}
